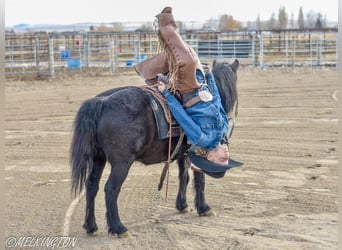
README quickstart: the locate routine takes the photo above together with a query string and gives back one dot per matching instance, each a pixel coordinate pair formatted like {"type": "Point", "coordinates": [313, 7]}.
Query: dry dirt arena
{"type": "Point", "coordinates": [284, 197]}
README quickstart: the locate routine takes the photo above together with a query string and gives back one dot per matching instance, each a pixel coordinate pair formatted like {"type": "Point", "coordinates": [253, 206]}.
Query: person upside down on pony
{"type": "Point", "coordinates": [200, 112]}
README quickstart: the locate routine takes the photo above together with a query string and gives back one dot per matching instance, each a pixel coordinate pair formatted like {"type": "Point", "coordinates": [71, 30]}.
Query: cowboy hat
{"type": "Point", "coordinates": [210, 168]}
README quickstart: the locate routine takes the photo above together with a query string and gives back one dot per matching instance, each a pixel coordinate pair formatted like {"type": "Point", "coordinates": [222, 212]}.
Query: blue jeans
{"type": "Point", "coordinates": [204, 123]}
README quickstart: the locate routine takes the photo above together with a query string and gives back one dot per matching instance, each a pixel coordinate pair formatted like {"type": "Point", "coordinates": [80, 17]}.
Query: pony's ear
{"type": "Point", "coordinates": [214, 63]}
{"type": "Point", "coordinates": [235, 65]}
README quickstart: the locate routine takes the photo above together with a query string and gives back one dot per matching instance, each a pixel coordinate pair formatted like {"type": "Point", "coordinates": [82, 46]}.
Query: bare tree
{"type": "Point", "coordinates": [300, 20]}
{"type": "Point", "coordinates": [292, 21]}
{"type": "Point", "coordinates": [311, 19]}
{"type": "Point", "coordinates": [319, 21]}
{"type": "Point", "coordinates": [272, 23]}
{"type": "Point", "coordinates": [227, 22]}
{"type": "Point", "coordinates": [324, 21]}
{"type": "Point", "coordinates": [282, 18]}
{"type": "Point", "coordinates": [258, 22]}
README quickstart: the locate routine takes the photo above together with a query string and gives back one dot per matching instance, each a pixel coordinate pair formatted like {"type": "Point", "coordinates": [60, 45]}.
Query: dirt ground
{"type": "Point", "coordinates": [284, 197]}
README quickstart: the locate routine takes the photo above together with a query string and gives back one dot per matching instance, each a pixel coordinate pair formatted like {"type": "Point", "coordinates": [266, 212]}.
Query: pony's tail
{"type": "Point", "coordinates": [84, 142]}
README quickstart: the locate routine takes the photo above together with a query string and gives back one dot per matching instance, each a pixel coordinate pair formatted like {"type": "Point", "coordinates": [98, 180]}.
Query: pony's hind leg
{"type": "Point", "coordinates": [203, 209]}
{"type": "Point", "coordinates": [113, 185]}
{"type": "Point", "coordinates": [183, 176]}
{"type": "Point", "coordinates": [92, 186]}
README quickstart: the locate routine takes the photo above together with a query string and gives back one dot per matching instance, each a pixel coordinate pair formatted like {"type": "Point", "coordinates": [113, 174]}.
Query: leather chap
{"type": "Point", "coordinates": [149, 68]}
{"type": "Point", "coordinates": [182, 59]}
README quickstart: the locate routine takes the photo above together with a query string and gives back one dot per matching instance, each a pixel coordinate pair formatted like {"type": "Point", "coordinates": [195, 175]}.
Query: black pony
{"type": "Point", "coordinates": [118, 126]}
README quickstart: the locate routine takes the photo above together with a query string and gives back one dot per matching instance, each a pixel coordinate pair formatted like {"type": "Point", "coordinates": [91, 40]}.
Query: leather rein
{"type": "Point", "coordinates": [167, 112]}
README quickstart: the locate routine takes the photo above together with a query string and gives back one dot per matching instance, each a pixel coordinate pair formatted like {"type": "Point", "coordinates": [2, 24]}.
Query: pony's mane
{"type": "Point", "coordinates": [226, 79]}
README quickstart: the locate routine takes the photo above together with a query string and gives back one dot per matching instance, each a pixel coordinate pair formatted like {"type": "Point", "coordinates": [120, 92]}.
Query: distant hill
{"type": "Point", "coordinates": [127, 26]}
{"type": "Point", "coordinates": [68, 27]}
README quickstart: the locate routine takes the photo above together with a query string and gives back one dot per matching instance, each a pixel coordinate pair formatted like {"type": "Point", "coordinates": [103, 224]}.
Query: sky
{"type": "Point", "coordinates": [107, 11]}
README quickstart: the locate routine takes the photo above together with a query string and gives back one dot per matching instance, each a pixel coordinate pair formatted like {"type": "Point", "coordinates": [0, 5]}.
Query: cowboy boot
{"type": "Point", "coordinates": [183, 60]}
{"type": "Point", "coordinates": [149, 68]}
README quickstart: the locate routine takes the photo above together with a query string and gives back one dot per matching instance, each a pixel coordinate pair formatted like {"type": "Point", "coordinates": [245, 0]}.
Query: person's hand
{"type": "Point", "coordinates": [161, 86]}
{"type": "Point", "coordinates": [207, 68]}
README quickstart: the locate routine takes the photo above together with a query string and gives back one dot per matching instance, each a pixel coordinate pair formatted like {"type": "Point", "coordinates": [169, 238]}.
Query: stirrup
{"type": "Point", "coordinates": [163, 78]}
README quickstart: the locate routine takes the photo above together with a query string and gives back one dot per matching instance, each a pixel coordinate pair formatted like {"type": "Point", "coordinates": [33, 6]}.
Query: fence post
{"type": "Point", "coordinates": [36, 55]}
{"type": "Point", "coordinates": [337, 52]}
{"type": "Point", "coordinates": [115, 42]}
{"type": "Point", "coordinates": [150, 46]}
{"type": "Point", "coordinates": [219, 46]}
{"type": "Point", "coordinates": [111, 54]}
{"type": "Point", "coordinates": [311, 49]}
{"type": "Point", "coordinates": [318, 51]}
{"type": "Point", "coordinates": [286, 51]}
{"type": "Point", "coordinates": [51, 57]}
{"type": "Point", "coordinates": [261, 52]}
{"type": "Point", "coordinates": [253, 51]}
{"type": "Point", "coordinates": [293, 51]}
{"type": "Point", "coordinates": [137, 43]}
{"type": "Point", "coordinates": [85, 50]}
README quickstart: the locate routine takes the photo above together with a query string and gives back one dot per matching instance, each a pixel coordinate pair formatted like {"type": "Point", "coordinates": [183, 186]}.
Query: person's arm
{"type": "Point", "coordinates": [211, 81]}
{"type": "Point", "coordinates": [212, 84]}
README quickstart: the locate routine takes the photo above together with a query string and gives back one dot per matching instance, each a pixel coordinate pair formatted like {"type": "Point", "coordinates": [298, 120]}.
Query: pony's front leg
{"type": "Point", "coordinates": [112, 189]}
{"type": "Point", "coordinates": [92, 186]}
{"type": "Point", "coordinates": [183, 176]}
{"type": "Point", "coordinates": [203, 209]}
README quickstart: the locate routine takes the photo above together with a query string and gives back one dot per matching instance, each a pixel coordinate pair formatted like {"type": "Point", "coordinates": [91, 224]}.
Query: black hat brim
{"type": "Point", "coordinates": [210, 168]}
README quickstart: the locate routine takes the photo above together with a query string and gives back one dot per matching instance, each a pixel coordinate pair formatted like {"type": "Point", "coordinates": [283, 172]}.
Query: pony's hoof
{"type": "Point", "coordinates": [93, 234]}
{"type": "Point", "coordinates": [185, 210]}
{"type": "Point", "coordinates": [209, 213]}
{"type": "Point", "coordinates": [125, 235]}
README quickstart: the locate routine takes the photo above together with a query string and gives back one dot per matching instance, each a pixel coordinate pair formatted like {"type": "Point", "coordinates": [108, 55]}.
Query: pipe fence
{"type": "Point", "coordinates": [50, 54]}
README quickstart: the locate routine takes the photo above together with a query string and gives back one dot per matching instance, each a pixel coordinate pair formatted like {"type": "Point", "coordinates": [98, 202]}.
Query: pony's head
{"type": "Point", "coordinates": [226, 80]}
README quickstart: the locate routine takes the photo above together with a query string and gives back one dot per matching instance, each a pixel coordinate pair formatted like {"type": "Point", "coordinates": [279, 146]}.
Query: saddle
{"type": "Point", "coordinates": [162, 114]}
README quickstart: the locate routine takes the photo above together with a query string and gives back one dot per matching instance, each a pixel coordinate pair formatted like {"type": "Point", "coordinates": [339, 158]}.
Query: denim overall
{"type": "Point", "coordinates": [204, 123]}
